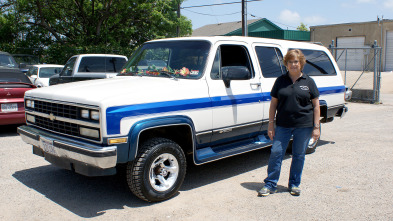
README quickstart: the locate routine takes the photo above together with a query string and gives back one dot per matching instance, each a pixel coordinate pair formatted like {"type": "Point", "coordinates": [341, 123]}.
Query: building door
{"type": "Point", "coordinates": [389, 51]}
{"type": "Point", "coordinates": [352, 59]}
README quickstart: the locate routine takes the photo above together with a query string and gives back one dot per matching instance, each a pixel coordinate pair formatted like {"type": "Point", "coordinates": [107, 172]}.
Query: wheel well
{"type": "Point", "coordinates": [181, 134]}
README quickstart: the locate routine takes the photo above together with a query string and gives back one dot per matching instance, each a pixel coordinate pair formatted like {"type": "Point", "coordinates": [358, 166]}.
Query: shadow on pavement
{"type": "Point", "coordinates": [8, 130]}
{"type": "Point", "coordinates": [92, 196]}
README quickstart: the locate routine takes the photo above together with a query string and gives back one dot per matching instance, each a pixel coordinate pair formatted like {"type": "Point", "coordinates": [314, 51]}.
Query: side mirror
{"type": "Point", "coordinates": [234, 73]}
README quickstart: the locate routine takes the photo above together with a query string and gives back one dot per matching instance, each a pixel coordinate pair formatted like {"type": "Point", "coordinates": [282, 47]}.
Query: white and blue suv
{"type": "Point", "coordinates": [206, 97]}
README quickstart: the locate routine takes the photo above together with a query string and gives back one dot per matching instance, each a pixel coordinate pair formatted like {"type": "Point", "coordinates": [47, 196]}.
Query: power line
{"type": "Point", "coordinates": [211, 14]}
{"type": "Point", "coordinates": [227, 3]}
{"type": "Point", "coordinates": [273, 21]}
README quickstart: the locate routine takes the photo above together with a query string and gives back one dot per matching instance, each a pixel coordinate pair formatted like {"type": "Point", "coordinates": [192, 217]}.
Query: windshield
{"type": "Point", "coordinates": [179, 59]}
{"type": "Point", "coordinates": [47, 72]}
{"type": "Point", "coordinates": [7, 61]}
{"type": "Point", "coordinates": [68, 67]}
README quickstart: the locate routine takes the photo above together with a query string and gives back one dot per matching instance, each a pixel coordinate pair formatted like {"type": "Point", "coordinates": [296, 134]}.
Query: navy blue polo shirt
{"type": "Point", "coordinates": [294, 108]}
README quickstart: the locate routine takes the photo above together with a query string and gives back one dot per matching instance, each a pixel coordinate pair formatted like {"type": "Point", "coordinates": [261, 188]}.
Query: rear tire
{"type": "Point", "coordinates": [158, 171]}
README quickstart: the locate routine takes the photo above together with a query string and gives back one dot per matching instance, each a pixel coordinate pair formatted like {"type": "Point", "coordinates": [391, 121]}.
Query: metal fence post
{"type": "Point", "coordinates": [379, 74]}
{"type": "Point", "coordinates": [375, 71]}
{"type": "Point", "coordinates": [345, 66]}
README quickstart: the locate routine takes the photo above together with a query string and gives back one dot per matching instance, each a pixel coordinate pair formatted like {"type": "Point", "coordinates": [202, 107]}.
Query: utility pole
{"type": "Point", "coordinates": [244, 18]}
{"type": "Point", "coordinates": [178, 19]}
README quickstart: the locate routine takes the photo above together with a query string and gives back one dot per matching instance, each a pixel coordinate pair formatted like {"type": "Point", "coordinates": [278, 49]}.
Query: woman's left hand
{"type": "Point", "coordinates": [315, 133]}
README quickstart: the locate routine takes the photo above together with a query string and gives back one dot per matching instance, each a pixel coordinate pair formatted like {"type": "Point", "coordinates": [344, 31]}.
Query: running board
{"type": "Point", "coordinates": [209, 154]}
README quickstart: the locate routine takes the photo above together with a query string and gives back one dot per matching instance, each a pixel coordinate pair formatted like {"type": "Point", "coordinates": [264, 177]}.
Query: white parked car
{"type": "Point", "coordinates": [39, 74]}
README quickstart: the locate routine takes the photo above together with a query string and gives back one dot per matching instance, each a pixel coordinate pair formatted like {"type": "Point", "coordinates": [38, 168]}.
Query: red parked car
{"type": "Point", "coordinates": [13, 85]}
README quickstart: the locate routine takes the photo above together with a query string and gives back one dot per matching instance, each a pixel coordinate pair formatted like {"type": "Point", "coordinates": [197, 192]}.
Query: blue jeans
{"type": "Point", "coordinates": [301, 137]}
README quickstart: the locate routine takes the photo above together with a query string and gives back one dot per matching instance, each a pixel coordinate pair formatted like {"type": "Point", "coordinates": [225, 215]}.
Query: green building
{"type": "Point", "coordinates": [256, 28]}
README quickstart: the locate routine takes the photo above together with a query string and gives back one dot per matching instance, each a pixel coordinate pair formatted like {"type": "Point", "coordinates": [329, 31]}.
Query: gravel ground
{"type": "Point", "coordinates": [349, 177]}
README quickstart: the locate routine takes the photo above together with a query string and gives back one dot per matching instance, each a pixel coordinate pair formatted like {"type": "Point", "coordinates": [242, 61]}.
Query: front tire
{"type": "Point", "coordinates": [158, 171]}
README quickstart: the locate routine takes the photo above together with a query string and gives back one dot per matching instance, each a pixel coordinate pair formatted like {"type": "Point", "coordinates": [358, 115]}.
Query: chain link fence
{"type": "Point", "coordinates": [361, 71]}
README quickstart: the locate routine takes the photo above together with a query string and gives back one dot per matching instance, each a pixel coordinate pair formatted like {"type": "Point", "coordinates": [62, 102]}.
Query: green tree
{"type": "Point", "coordinates": [63, 26]}
{"type": "Point", "coordinates": [302, 27]}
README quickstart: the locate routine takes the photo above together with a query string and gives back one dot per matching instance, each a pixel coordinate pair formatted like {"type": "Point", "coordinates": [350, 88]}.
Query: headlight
{"type": "Point", "coordinates": [30, 103]}
{"type": "Point", "coordinates": [95, 115]}
{"type": "Point", "coordinates": [90, 114]}
{"type": "Point", "coordinates": [85, 113]}
{"type": "Point", "coordinates": [89, 132]}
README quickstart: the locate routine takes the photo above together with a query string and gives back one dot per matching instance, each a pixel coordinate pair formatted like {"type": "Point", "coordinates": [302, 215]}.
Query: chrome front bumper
{"type": "Point", "coordinates": [64, 149]}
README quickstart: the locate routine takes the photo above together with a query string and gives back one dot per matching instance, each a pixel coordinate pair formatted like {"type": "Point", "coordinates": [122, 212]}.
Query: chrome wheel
{"type": "Point", "coordinates": [158, 171]}
{"type": "Point", "coordinates": [164, 172]}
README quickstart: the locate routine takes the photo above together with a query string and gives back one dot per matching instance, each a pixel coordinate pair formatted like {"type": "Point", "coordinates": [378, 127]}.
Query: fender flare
{"type": "Point", "coordinates": [140, 126]}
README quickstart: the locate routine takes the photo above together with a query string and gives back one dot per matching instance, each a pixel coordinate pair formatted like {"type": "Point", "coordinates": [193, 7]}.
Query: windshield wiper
{"type": "Point", "coordinates": [168, 74]}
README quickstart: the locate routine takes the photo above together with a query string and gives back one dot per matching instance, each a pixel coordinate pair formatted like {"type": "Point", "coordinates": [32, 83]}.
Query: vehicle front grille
{"type": "Point", "coordinates": [63, 118]}
{"type": "Point", "coordinates": [58, 126]}
{"type": "Point", "coordinates": [61, 110]}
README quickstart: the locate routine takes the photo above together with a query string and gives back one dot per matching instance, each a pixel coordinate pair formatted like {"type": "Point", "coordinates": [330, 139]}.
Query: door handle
{"type": "Point", "coordinates": [255, 84]}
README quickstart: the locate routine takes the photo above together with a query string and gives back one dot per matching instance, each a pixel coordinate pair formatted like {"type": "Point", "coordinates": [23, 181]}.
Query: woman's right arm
{"type": "Point", "coordinates": [272, 114]}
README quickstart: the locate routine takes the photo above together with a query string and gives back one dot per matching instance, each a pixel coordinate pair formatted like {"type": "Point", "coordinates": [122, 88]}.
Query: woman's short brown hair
{"type": "Point", "coordinates": [293, 54]}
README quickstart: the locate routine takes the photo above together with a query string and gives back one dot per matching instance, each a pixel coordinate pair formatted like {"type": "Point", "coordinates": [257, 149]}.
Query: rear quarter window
{"type": "Point", "coordinates": [318, 63]}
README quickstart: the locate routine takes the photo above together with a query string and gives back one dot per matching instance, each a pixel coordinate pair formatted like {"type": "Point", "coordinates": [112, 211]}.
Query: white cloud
{"type": "Point", "coordinates": [314, 20]}
{"type": "Point", "coordinates": [388, 4]}
{"type": "Point", "coordinates": [365, 1]}
{"type": "Point", "coordinates": [290, 18]}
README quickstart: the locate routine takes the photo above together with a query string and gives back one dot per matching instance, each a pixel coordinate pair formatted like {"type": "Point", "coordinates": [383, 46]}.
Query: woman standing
{"type": "Point", "coordinates": [295, 105]}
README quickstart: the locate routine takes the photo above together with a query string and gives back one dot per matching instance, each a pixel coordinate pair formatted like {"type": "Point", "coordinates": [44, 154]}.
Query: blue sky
{"type": "Point", "coordinates": [288, 14]}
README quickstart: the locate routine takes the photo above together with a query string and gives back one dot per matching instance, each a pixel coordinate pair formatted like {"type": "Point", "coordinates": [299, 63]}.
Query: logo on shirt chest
{"type": "Point", "coordinates": [304, 88]}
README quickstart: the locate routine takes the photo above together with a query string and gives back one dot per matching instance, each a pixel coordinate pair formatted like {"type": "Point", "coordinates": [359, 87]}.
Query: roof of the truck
{"type": "Point", "coordinates": [249, 40]}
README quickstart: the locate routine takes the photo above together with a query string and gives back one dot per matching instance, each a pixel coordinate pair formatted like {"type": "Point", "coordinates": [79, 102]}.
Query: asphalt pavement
{"type": "Point", "coordinates": [349, 177]}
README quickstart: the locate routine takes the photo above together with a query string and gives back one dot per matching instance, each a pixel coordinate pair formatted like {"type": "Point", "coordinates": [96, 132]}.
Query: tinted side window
{"type": "Point", "coordinates": [270, 60]}
{"type": "Point", "coordinates": [318, 63]}
{"type": "Point", "coordinates": [230, 55]}
{"type": "Point", "coordinates": [114, 64]}
{"type": "Point", "coordinates": [92, 64]}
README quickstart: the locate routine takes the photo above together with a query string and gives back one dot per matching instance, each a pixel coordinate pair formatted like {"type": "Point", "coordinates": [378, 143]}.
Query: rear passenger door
{"type": "Point", "coordinates": [270, 64]}
{"type": "Point", "coordinates": [237, 109]}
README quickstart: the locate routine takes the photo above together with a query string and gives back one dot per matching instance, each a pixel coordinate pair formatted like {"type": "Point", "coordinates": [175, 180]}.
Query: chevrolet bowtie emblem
{"type": "Point", "coordinates": [52, 117]}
